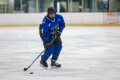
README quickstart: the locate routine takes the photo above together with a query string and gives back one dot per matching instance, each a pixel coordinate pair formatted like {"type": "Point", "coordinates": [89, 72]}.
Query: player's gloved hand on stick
{"type": "Point", "coordinates": [58, 33]}
{"type": "Point", "coordinates": [46, 45]}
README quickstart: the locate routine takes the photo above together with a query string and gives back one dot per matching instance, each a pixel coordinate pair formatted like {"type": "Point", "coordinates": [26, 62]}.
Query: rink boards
{"type": "Point", "coordinates": [71, 19]}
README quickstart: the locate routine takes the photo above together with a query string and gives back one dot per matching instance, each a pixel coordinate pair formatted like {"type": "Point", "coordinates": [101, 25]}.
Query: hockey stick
{"type": "Point", "coordinates": [25, 69]}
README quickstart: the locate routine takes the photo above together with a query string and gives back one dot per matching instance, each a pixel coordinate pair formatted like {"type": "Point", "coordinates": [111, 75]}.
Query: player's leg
{"type": "Point", "coordinates": [45, 56]}
{"type": "Point", "coordinates": [48, 52]}
{"type": "Point", "coordinates": [56, 53]}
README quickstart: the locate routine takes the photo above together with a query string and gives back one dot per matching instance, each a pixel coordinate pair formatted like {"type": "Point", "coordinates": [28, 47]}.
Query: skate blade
{"type": "Point", "coordinates": [54, 67]}
{"type": "Point", "coordinates": [43, 66]}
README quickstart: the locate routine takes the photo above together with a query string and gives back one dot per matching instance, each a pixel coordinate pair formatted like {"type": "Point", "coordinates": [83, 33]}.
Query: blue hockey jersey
{"type": "Point", "coordinates": [49, 27]}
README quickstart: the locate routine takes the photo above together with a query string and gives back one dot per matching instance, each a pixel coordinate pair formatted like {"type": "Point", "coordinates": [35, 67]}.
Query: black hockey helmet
{"type": "Point", "coordinates": [51, 10]}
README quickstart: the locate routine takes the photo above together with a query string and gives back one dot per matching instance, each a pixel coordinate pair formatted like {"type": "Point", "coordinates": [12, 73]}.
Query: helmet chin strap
{"type": "Point", "coordinates": [50, 17]}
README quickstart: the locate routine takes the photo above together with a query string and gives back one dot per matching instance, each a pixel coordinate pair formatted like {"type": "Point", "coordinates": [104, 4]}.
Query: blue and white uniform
{"type": "Point", "coordinates": [49, 28]}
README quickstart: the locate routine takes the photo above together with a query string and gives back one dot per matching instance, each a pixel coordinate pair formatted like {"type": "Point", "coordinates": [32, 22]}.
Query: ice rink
{"type": "Point", "coordinates": [89, 53]}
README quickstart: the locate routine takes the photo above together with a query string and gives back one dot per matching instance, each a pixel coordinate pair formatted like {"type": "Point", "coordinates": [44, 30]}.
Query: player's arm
{"type": "Point", "coordinates": [45, 34]}
{"type": "Point", "coordinates": [45, 30]}
{"type": "Point", "coordinates": [61, 27]}
{"type": "Point", "coordinates": [62, 24]}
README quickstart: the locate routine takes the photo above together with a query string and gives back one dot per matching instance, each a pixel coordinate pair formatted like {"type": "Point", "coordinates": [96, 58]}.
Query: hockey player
{"type": "Point", "coordinates": [52, 24]}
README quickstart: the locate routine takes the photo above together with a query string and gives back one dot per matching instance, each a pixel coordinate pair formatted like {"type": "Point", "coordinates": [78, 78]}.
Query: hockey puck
{"type": "Point", "coordinates": [31, 72]}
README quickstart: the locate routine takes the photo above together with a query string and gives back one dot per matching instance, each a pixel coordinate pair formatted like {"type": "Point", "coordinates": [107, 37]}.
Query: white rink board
{"type": "Point", "coordinates": [36, 18]}
{"type": "Point", "coordinates": [89, 53]}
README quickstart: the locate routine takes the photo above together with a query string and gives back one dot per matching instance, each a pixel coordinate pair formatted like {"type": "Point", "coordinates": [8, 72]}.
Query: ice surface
{"type": "Point", "coordinates": [89, 53]}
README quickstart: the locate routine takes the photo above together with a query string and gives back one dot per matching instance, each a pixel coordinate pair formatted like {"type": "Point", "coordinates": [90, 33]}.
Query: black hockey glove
{"type": "Point", "coordinates": [58, 33]}
{"type": "Point", "coordinates": [46, 45]}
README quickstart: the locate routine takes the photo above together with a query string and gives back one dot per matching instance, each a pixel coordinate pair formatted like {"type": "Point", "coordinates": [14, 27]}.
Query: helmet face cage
{"type": "Point", "coordinates": [51, 10]}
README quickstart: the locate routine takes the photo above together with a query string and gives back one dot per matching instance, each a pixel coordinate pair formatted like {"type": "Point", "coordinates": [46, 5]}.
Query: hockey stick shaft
{"type": "Point", "coordinates": [38, 56]}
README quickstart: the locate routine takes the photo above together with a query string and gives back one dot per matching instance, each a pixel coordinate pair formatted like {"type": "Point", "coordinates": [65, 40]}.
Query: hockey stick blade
{"type": "Point", "coordinates": [25, 69]}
